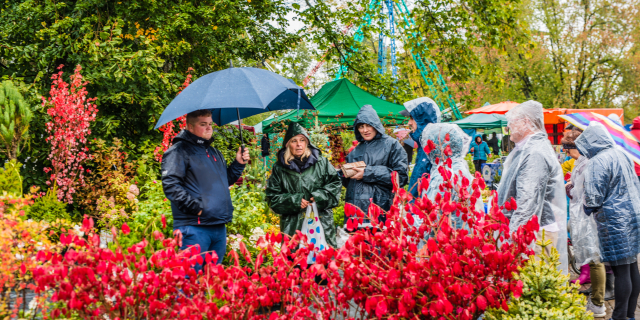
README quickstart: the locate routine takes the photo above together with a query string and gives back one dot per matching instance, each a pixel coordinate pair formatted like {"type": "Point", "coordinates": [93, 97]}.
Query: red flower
{"type": "Point", "coordinates": [125, 229]}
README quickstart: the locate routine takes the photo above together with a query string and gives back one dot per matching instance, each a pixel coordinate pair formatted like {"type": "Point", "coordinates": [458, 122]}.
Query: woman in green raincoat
{"type": "Point", "coordinates": [300, 176]}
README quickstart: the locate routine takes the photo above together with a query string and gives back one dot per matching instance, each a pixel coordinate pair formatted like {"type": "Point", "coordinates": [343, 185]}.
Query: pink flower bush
{"type": "Point", "coordinates": [71, 115]}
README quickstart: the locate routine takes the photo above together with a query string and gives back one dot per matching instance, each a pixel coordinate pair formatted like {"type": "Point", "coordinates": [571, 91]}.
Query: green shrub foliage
{"type": "Point", "coordinates": [546, 294]}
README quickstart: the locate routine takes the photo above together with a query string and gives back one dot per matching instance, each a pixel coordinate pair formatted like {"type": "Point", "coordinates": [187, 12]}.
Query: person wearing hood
{"type": "Point", "coordinates": [459, 144]}
{"type": "Point", "coordinates": [421, 112]}
{"type": "Point", "coordinates": [480, 150]}
{"type": "Point", "coordinates": [612, 196]}
{"type": "Point", "coordinates": [301, 176]}
{"type": "Point", "coordinates": [533, 177]}
{"type": "Point", "coordinates": [196, 179]}
{"type": "Point", "coordinates": [635, 131]}
{"type": "Point", "coordinates": [382, 155]}
{"type": "Point", "coordinates": [584, 233]}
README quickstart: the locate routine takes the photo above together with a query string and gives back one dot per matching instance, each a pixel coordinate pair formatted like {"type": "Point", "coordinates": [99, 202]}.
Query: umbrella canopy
{"type": "Point", "coordinates": [499, 108]}
{"type": "Point", "coordinates": [481, 120]}
{"type": "Point", "coordinates": [236, 91]}
{"type": "Point", "coordinates": [338, 102]}
{"type": "Point", "coordinates": [622, 137]}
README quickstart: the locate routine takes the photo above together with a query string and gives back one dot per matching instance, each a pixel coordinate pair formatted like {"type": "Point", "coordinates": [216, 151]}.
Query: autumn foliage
{"type": "Point", "coordinates": [169, 129]}
{"type": "Point", "coordinates": [71, 115]}
{"type": "Point", "coordinates": [458, 272]}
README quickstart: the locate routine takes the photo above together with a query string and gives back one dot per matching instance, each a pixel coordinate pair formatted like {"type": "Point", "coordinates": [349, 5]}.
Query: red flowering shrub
{"type": "Point", "coordinates": [71, 115]}
{"type": "Point", "coordinates": [168, 129]}
{"type": "Point", "coordinates": [456, 275]}
{"type": "Point", "coordinates": [91, 282]}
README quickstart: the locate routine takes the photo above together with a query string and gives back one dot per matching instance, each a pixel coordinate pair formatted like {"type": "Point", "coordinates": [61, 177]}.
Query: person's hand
{"type": "Point", "coordinates": [359, 173]}
{"type": "Point", "coordinates": [312, 200]}
{"type": "Point", "coordinates": [200, 213]}
{"type": "Point", "coordinates": [489, 156]}
{"type": "Point", "coordinates": [472, 150]}
{"type": "Point", "coordinates": [242, 158]}
{"type": "Point", "coordinates": [304, 203]}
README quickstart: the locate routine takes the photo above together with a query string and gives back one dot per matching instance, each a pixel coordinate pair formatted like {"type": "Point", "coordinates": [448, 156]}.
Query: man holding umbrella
{"type": "Point", "coordinates": [196, 180]}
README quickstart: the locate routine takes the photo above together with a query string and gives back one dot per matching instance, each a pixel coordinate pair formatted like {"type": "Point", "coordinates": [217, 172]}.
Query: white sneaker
{"type": "Point", "coordinates": [600, 311]}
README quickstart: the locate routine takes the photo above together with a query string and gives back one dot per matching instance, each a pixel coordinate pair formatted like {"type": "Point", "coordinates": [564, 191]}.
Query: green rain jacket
{"type": "Point", "coordinates": [289, 184]}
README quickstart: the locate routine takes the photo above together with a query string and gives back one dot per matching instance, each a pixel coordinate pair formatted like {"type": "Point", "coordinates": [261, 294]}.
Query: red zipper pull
{"type": "Point", "coordinates": [198, 220]}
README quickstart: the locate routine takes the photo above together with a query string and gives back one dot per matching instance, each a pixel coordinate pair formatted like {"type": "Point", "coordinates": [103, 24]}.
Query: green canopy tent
{"type": "Point", "coordinates": [482, 121]}
{"type": "Point", "coordinates": [337, 103]}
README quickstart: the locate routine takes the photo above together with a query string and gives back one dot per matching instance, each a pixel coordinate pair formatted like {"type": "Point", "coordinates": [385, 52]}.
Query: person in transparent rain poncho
{"type": "Point", "coordinates": [612, 196]}
{"type": "Point", "coordinates": [533, 177]}
{"type": "Point", "coordinates": [459, 144]}
{"type": "Point", "coordinates": [584, 233]}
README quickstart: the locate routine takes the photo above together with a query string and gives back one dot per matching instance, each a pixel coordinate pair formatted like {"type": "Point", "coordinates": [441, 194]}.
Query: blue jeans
{"type": "Point", "coordinates": [210, 238]}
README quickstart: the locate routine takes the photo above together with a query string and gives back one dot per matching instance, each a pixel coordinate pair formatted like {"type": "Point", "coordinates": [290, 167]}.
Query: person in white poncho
{"type": "Point", "coordinates": [533, 177]}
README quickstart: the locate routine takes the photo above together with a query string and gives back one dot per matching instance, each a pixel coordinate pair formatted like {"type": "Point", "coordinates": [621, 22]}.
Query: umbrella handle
{"type": "Point", "coordinates": [240, 128]}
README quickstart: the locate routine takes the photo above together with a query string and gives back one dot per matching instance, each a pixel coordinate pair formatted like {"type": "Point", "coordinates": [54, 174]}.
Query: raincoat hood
{"type": "Point", "coordinates": [294, 130]}
{"type": "Point", "coordinates": [475, 137]}
{"type": "Point", "coordinates": [593, 140]}
{"type": "Point", "coordinates": [424, 111]}
{"type": "Point", "coordinates": [458, 141]}
{"type": "Point", "coordinates": [369, 116]}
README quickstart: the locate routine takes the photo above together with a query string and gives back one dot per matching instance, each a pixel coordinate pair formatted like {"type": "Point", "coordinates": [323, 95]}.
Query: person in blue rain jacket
{"type": "Point", "coordinates": [422, 111]}
{"type": "Point", "coordinates": [480, 150]}
{"type": "Point", "coordinates": [612, 195]}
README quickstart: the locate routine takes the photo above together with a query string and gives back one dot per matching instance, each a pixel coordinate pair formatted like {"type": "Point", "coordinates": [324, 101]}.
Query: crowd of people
{"type": "Point", "coordinates": [603, 191]}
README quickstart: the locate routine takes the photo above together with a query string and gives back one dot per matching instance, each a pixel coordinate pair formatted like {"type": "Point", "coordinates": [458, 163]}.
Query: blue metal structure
{"type": "Point", "coordinates": [427, 67]}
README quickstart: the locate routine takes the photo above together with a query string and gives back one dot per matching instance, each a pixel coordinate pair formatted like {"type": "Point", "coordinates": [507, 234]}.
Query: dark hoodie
{"type": "Point", "coordinates": [195, 177]}
{"type": "Point", "coordinates": [382, 155]}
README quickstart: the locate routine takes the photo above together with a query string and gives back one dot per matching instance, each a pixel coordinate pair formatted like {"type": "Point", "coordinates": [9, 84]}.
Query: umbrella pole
{"type": "Point", "coordinates": [240, 127]}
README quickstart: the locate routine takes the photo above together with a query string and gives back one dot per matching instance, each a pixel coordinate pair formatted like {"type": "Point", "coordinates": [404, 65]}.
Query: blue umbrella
{"type": "Point", "coordinates": [236, 93]}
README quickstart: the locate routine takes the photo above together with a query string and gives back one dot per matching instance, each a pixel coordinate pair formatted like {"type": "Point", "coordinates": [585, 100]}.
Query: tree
{"type": "Point", "coordinates": [135, 54]}
{"type": "Point", "coordinates": [448, 32]}
{"type": "Point", "coordinates": [15, 117]}
{"type": "Point", "coordinates": [587, 55]}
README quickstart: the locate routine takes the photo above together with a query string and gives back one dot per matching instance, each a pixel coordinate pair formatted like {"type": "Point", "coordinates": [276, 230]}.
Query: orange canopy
{"type": "Point", "coordinates": [551, 115]}
{"type": "Point", "coordinates": [500, 108]}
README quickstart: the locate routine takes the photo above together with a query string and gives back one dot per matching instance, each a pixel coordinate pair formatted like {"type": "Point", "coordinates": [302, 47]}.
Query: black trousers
{"type": "Point", "coordinates": [478, 164]}
{"type": "Point", "coordinates": [627, 289]}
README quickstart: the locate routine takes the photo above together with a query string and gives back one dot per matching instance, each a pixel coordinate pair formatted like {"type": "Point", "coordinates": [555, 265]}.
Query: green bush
{"type": "Point", "coordinates": [338, 212]}
{"type": "Point", "coordinates": [10, 179]}
{"type": "Point", "coordinates": [546, 294]}
{"type": "Point", "coordinates": [48, 208]}
{"type": "Point", "coordinates": [148, 217]}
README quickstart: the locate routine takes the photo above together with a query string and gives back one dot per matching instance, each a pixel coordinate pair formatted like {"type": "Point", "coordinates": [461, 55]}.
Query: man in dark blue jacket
{"type": "Point", "coordinates": [196, 180]}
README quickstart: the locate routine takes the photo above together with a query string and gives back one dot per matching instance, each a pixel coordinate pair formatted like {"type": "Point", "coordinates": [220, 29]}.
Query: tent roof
{"type": "Point", "coordinates": [338, 102]}
{"type": "Point", "coordinates": [499, 108]}
{"type": "Point", "coordinates": [482, 120]}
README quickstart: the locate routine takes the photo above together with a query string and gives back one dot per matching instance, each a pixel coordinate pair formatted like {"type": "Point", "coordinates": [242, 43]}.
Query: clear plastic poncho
{"type": "Point", "coordinates": [584, 232]}
{"type": "Point", "coordinates": [459, 143]}
{"type": "Point", "coordinates": [533, 177]}
{"type": "Point", "coordinates": [612, 187]}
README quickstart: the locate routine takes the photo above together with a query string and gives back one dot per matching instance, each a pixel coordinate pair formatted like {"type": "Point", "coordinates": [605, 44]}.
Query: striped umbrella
{"type": "Point", "coordinates": [622, 137]}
